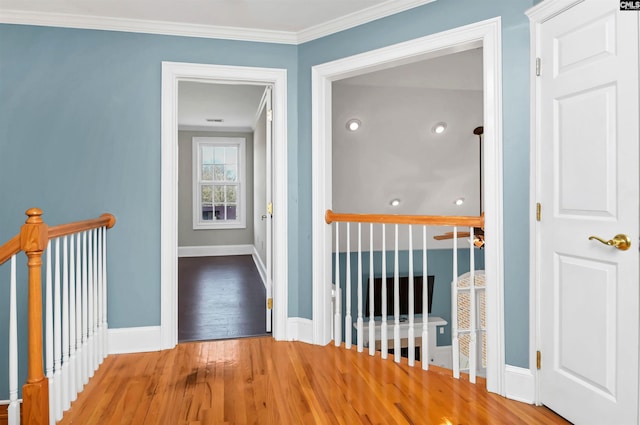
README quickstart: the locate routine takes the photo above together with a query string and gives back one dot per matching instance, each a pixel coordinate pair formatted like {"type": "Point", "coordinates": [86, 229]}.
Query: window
{"type": "Point", "coordinates": [219, 196]}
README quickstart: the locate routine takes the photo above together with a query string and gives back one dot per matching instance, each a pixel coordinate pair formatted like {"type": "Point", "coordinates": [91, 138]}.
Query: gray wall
{"type": "Point", "coordinates": [186, 235]}
{"type": "Point", "coordinates": [259, 187]}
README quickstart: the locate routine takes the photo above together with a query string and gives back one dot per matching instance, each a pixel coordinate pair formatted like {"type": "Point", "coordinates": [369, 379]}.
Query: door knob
{"type": "Point", "coordinates": [621, 241]}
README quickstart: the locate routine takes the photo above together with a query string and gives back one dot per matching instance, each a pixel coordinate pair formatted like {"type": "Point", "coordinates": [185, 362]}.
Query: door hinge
{"type": "Point", "coordinates": [538, 211]}
{"type": "Point", "coordinates": [270, 304]}
{"type": "Point", "coordinates": [538, 65]}
{"type": "Point", "coordinates": [270, 208]}
{"type": "Point", "coordinates": [538, 359]}
{"type": "Point", "coordinates": [269, 115]}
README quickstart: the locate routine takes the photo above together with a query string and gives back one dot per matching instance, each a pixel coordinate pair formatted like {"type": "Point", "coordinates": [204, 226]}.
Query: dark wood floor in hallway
{"type": "Point", "coordinates": [220, 298]}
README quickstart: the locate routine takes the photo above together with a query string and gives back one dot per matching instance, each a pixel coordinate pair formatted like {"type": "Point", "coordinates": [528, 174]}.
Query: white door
{"type": "Point", "coordinates": [269, 209]}
{"type": "Point", "coordinates": [588, 147]}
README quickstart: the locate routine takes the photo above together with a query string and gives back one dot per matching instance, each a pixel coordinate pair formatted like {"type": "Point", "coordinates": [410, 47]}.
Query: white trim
{"type": "Point", "coordinates": [390, 7]}
{"type": "Point", "coordinates": [7, 402]}
{"type": "Point", "coordinates": [172, 73]}
{"type": "Point", "coordinates": [486, 34]}
{"type": "Point", "coordinates": [214, 250]}
{"type": "Point", "coordinates": [537, 15]}
{"type": "Point", "coordinates": [519, 384]}
{"type": "Point", "coordinates": [212, 129]}
{"type": "Point", "coordinates": [262, 270]}
{"type": "Point", "coordinates": [299, 329]}
{"type": "Point", "coordinates": [134, 340]}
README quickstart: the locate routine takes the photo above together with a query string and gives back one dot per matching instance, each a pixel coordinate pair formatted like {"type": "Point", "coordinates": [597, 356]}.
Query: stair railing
{"type": "Point", "coordinates": [42, 402]}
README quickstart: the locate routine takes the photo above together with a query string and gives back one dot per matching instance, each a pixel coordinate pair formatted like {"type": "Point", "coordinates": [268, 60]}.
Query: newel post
{"type": "Point", "coordinates": [35, 392]}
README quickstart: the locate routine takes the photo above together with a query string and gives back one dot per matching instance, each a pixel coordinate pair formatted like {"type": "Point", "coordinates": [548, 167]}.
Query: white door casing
{"type": "Point", "coordinates": [172, 74]}
{"type": "Point", "coordinates": [486, 34]}
{"type": "Point", "coordinates": [268, 207]}
{"type": "Point", "coordinates": [585, 160]}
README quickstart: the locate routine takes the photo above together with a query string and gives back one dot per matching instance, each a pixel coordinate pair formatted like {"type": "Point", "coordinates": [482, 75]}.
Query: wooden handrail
{"type": "Point", "coordinates": [108, 220]}
{"type": "Point", "coordinates": [9, 249]}
{"type": "Point", "coordinates": [429, 220]}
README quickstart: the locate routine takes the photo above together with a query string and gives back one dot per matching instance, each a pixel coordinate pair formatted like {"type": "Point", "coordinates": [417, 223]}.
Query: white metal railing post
{"type": "Point", "coordinates": [411, 334]}
{"type": "Point", "coordinates": [347, 305]}
{"type": "Point", "coordinates": [397, 354]}
{"type": "Point", "coordinates": [454, 309]}
{"type": "Point", "coordinates": [14, 405]}
{"type": "Point", "coordinates": [424, 356]}
{"type": "Point", "coordinates": [384, 330]}
{"type": "Point", "coordinates": [359, 321]}
{"type": "Point", "coordinates": [337, 318]}
{"type": "Point", "coordinates": [372, 322]}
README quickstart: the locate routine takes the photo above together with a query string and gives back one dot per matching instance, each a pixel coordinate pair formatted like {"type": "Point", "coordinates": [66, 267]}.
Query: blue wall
{"type": "Point", "coordinates": [80, 135]}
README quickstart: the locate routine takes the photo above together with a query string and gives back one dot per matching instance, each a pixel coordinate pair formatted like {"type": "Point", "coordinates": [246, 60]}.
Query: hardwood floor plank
{"type": "Point", "coordinates": [261, 381]}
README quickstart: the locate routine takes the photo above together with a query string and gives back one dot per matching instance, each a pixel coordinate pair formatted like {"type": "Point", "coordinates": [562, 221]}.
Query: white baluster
{"type": "Point", "coordinates": [49, 335]}
{"type": "Point", "coordinates": [472, 305]}
{"type": "Point", "coordinates": [337, 318]}
{"type": "Point", "coordinates": [412, 334]}
{"type": "Point", "coordinates": [347, 306]}
{"type": "Point", "coordinates": [105, 326]}
{"type": "Point", "coordinates": [359, 322]}
{"type": "Point", "coordinates": [424, 357]}
{"type": "Point", "coordinates": [85, 312]}
{"type": "Point", "coordinates": [96, 341]}
{"type": "Point", "coordinates": [396, 301]}
{"type": "Point", "coordinates": [384, 331]}
{"type": "Point", "coordinates": [57, 338]}
{"type": "Point", "coordinates": [79, 317]}
{"type": "Point", "coordinates": [14, 404]}
{"type": "Point", "coordinates": [72, 321]}
{"type": "Point", "coordinates": [65, 400]}
{"type": "Point", "coordinates": [372, 322]}
{"type": "Point", "coordinates": [454, 309]}
{"type": "Point", "coordinates": [100, 330]}
{"type": "Point", "coordinates": [91, 313]}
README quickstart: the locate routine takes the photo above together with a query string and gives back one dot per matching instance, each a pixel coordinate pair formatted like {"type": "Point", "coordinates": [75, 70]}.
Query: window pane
{"type": "Point", "coordinates": [207, 172]}
{"type": "Point", "coordinates": [232, 194]}
{"type": "Point", "coordinates": [219, 212]}
{"type": "Point", "coordinates": [218, 194]}
{"type": "Point", "coordinates": [231, 212]}
{"type": "Point", "coordinates": [219, 156]}
{"type": "Point", "coordinates": [218, 173]}
{"type": "Point", "coordinates": [207, 212]}
{"type": "Point", "coordinates": [206, 191]}
{"type": "Point", "coordinates": [207, 154]}
{"type": "Point", "coordinates": [232, 155]}
{"type": "Point", "coordinates": [231, 173]}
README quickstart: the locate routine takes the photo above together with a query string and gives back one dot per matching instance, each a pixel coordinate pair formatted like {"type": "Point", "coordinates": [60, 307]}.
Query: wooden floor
{"type": "Point", "coordinates": [220, 298]}
{"type": "Point", "coordinates": [261, 381]}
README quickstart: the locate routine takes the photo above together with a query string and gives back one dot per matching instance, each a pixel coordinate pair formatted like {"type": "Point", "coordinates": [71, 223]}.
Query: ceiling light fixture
{"type": "Point", "coordinates": [459, 201]}
{"type": "Point", "coordinates": [394, 202]}
{"type": "Point", "coordinates": [353, 124]}
{"type": "Point", "coordinates": [439, 128]}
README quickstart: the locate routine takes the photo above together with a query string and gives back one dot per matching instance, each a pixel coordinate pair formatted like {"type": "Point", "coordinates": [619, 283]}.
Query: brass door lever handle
{"type": "Point", "coordinates": [620, 241]}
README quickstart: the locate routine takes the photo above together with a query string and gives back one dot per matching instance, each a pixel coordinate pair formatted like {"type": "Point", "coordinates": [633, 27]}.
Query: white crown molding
{"type": "Point", "coordinates": [360, 17]}
{"type": "Point", "coordinates": [390, 7]}
{"type": "Point", "coordinates": [143, 26]}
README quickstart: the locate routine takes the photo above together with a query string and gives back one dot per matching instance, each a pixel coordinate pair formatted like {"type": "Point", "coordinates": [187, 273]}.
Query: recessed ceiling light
{"type": "Point", "coordinates": [353, 124]}
{"type": "Point", "coordinates": [394, 202]}
{"type": "Point", "coordinates": [459, 201]}
{"type": "Point", "coordinates": [215, 120]}
{"type": "Point", "coordinates": [439, 128]}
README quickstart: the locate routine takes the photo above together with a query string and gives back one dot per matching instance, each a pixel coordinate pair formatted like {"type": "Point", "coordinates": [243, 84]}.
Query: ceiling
{"type": "Point", "coordinates": [286, 21]}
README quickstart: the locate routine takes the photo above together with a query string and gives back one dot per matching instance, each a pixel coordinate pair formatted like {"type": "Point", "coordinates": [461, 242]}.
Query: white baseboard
{"type": "Point", "coordinates": [7, 402]}
{"type": "Point", "coordinates": [214, 250]}
{"type": "Point", "coordinates": [299, 329]}
{"type": "Point", "coordinates": [134, 340]}
{"type": "Point", "coordinates": [262, 270]}
{"type": "Point", "coordinates": [519, 384]}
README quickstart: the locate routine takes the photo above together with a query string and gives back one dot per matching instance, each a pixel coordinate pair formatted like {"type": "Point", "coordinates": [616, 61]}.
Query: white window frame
{"type": "Point", "coordinates": [241, 221]}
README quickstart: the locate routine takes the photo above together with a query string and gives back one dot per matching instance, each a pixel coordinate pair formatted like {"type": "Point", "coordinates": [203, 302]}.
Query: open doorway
{"type": "Point", "coordinates": [276, 275]}
{"type": "Point", "coordinates": [485, 34]}
{"type": "Point", "coordinates": [221, 210]}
